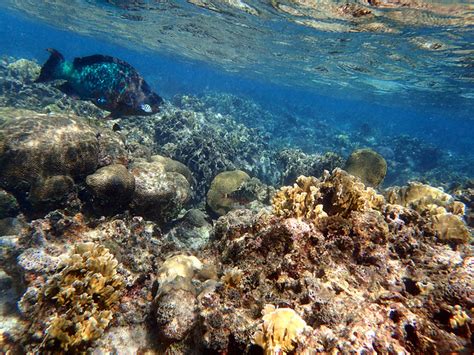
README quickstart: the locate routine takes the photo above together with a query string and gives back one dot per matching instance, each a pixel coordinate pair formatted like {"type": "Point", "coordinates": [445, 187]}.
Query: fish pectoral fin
{"type": "Point", "coordinates": [68, 89]}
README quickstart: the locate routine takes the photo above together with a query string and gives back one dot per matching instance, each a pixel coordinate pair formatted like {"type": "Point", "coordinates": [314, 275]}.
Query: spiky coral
{"type": "Point", "coordinates": [83, 295]}
{"type": "Point", "coordinates": [337, 193]}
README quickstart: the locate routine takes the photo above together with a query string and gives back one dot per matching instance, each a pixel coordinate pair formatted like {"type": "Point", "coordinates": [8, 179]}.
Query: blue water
{"type": "Point", "coordinates": [446, 122]}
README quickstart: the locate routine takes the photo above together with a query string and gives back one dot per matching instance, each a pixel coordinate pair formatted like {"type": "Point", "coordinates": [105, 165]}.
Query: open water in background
{"type": "Point", "coordinates": [437, 106]}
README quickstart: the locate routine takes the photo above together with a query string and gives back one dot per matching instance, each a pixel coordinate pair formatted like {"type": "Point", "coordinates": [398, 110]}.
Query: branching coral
{"type": "Point", "coordinates": [337, 193]}
{"type": "Point", "coordinates": [280, 330]}
{"type": "Point", "coordinates": [82, 295]}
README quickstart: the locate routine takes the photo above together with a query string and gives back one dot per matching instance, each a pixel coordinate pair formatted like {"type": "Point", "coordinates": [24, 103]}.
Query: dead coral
{"type": "Point", "coordinates": [82, 297]}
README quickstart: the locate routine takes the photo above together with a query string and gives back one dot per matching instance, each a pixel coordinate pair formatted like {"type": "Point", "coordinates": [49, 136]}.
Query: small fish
{"type": "Point", "coordinates": [110, 83]}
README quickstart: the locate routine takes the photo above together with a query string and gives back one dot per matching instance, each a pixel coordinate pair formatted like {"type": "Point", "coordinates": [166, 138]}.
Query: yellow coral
{"type": "Point", "coordinates": [280, 330]}
{"type": "Point", "coordinates": [84, 293]}
{"type": "Point", "coordinates": [338, 193]}
{"type": "Point", "coordinates": [424, 199]}
{"type": "Point", "coordinates": [459, 318]}
{"type": "Point", "coordinates": [445, 213]}
{"type": "Point", "coordinates": [184, 266]}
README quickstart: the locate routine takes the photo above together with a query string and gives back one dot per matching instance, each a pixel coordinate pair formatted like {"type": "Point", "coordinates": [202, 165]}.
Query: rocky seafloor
{"type": "Point", "coordinates": [202, 230]}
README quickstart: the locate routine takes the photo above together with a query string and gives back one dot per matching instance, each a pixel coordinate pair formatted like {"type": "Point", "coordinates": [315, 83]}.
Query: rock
{"type": "Point", "coordinates": [8, 205]}
{"type": "Point", "coordinates": [171, 165]}
{"type": "Point", "coordinates": [50, 192]}
{"type": "Point", "coordinates": [159, 194]}
{"type": "Point", "coordinates": [368, 165]}
{"type": "Point", "coordinates": [176, 303]}
{"type": "Point", "coordinates": [192, 231]}
{"type": "Point", "coordinates": [223, 185]}
{"type": "Point", "coordinates": [34, 147]}
{"type": "Point", "coordinates": [112, 187]}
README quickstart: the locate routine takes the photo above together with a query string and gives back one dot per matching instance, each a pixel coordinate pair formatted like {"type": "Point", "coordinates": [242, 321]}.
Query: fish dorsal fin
{"type": "Point", "coordinates": [98, 58]}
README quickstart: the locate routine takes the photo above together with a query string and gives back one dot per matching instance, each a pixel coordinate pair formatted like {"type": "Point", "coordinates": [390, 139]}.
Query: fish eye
{"type": "Point", "coordinates": [101, 101]}
{"type": "Point", "coordinates": [146, 108]}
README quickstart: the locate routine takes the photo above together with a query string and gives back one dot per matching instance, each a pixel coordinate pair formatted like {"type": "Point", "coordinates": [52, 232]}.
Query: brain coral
{"type": "Point", "coordinates": [337, 193]}
{"type": "Point", "coordinates": [368, 165]}
{"type": "Point", "coordinates": [224, 184]}
{"type": "Point", "coordinates": [82, 296]}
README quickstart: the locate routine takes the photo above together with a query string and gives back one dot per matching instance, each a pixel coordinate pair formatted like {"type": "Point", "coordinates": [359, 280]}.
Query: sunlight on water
{"type": "Point", "coordinates": [300, 43]}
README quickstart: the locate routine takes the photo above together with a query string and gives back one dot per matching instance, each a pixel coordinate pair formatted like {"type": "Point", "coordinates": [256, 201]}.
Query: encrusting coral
{"type": "Point", "coordinates": [280, 330]}
{"type": "Point", "coordinates": [444, 212]}
{"type": "Point", "coordinates": [80, 298]}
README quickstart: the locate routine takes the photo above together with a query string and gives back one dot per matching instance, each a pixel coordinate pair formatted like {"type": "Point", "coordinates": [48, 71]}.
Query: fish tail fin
{"type": "Point", "coordinates": [50, 69]}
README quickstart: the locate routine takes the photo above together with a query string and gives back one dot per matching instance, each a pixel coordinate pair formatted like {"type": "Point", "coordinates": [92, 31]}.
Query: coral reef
{"type": "Point", "coordinates": [219, 196]}
{"type": "Point", "coordinates": [367, 165]}
{"type": "Point", "coordinates": [207, 143]}
{"type": "Point", "coordinates": [357, 277]}
{"type": "Point", "coordinates": [281, 329]}
{"type": "Point", "coordinates": [336, 194]}
{"type": "Point", "coordinates": [17, 89]}
{"type": "Point", "coordinates": [191, 232]}
{"type": "Point", "coordinates": [176, 301]}
{"type": "Point", "coordinates": [44, 156]}
{"type": "Point", "coordinates": [160, 193]}
{"type": "Point", "coordinates": [123, 257]}
{"type": "Point", "coordinates": [78, 301]}
{"type": "Point", "coordinates": [112, 187]}
{"type": "Point", "coordinates": [294, 162]}
{"type": "Point", "coordinates": [445, 213]}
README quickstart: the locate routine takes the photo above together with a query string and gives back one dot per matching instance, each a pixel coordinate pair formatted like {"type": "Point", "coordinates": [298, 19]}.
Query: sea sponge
{"type": "Point", "coordinates": [338, 193]}
{"type": "Point", "coordinates": [280, 330]}
{"type": "Point", "coordinates": [83, 295]}
{"type": "Point", "coordinates": [368, 165]}
{"type": "Point", "coordinates": [223, 185]}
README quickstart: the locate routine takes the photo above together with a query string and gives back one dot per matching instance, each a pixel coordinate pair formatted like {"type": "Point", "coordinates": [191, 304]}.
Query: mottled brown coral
{"type": "Point", "coordinates": [224, 184]}
{"type": "Point", "coordinates": [368, 165]}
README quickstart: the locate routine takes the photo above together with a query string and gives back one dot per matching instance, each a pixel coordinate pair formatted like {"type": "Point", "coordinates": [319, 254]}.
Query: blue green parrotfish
{"type": "Point", "coordinates": [110, 83]}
